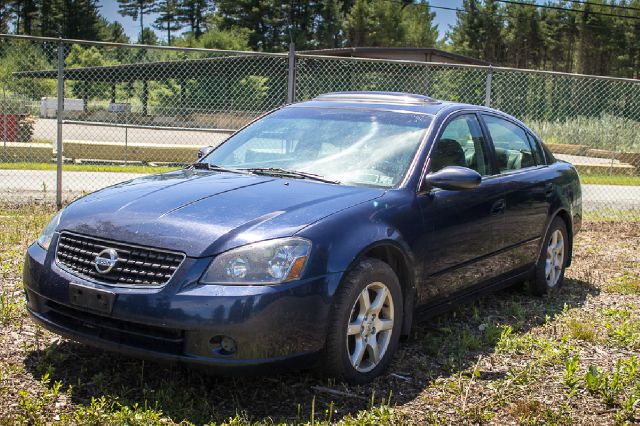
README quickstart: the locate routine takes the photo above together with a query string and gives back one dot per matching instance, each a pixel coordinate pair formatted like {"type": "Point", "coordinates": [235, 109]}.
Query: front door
{"type": "Point", "coordinates": [462, 227]}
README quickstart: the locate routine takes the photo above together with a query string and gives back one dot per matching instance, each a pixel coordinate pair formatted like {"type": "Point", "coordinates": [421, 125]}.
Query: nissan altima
{"type": "Point", "coordinates": [312, 235]}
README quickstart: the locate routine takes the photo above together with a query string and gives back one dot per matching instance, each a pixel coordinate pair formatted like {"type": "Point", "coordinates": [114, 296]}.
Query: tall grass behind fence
{"type": "Point", "coordinates": [143, 109]}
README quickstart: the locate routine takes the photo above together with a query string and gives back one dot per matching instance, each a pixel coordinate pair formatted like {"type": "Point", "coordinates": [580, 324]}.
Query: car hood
{"type": "Point", "coordinates": [202, 213]}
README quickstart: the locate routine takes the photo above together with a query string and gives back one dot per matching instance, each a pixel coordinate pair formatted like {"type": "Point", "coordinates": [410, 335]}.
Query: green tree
{"type": "Point", "coordinates": [80, 19]}
{"type": "Point", "coordinates": [357, 23]}
{"type": "Point", "coordinates": [81, 57]}
{"type": "Point", "coordinates": [331, 20]}
{"type": "Point", "coordinates": [559, 33]}
{"type": "Point", "coordinates": [168, 18]}
{"type": "Point", "coordinates": [300, 23]}
{"type": "Point", "coordinates": [264, 18]}
{"type": "Point", "coordinates": [522, 36]}
{"type": "Point", "coordinates": [418, 27]}
{"type": "Point", "coordinates": [113, 32]}
{"type": "Point", "coordinates": [135, 9]}
{"type": "Point", "coordinates": [5, 16]}
{"type": "Point", "coordinates": [193, 13]}
{"type": "Point", "coordinates": [467, 35]}
{"type": "Point", "coordinates": [26, 12]}
{"type": "Point", "coordinates": [390, 23]}
{"type": "Point", "coordinates": [24, 56]}
{"type": "Point", "coordinates": [148, 37]}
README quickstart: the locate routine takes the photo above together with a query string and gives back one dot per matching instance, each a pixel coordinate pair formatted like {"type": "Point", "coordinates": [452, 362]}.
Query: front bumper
{"type": "Point", "coordinates": [181, 320]}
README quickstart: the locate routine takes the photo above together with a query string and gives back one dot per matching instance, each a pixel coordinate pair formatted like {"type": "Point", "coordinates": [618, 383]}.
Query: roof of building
{"type": "Point", "coordinates": [161, 70]}
{"type": "Point", "coordinates": [370, 51]}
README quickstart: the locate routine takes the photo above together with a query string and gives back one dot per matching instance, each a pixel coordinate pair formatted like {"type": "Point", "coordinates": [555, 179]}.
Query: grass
{"type": "Point", "coordinates": [624, 283]}
{"type": "Point", "coordinates": [611, 215]}
{"type": "Point", "coordinates": [609, 180]}
{"type": "Point", "coordinates": [506, 358]}
{"type": "Point", "coordinates": [88, 167]}
{"type": "Point", "coordinates": [607, 132]}
{"type": "Point", "coordinates": [581, 330]}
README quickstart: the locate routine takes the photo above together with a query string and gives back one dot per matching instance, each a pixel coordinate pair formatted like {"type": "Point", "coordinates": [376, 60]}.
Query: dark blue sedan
{"type": "Point", "coordinates": [312, 235]}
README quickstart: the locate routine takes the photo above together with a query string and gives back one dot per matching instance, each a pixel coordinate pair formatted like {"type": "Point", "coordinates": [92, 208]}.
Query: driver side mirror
{"type": "Point", "coordinates": [453, 178]}
{"type": "Point", "coordinates": [204, 151]}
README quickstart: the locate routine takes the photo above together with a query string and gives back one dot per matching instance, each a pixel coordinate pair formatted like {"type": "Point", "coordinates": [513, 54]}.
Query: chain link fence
{"type": "Point", "coordinates": [128, 110]}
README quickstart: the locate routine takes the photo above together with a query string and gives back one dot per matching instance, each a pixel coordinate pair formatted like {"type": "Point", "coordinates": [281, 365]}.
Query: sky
{"type": "Point", "coordinates": [109, 9]}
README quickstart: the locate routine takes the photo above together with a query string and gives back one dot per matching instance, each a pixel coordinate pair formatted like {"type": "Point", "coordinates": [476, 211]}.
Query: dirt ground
{"type": "Point", "coordinates": [507, 358]}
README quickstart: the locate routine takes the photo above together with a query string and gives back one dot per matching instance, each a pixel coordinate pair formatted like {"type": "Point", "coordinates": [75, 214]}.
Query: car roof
{"type": "Point", "coordinates": [394, 101]}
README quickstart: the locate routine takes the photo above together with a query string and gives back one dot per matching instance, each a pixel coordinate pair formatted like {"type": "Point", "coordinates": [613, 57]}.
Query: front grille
{"type": "Point", "coordinates": [137, 266]}
{"type": "Point", "coordinates": [167, 340]}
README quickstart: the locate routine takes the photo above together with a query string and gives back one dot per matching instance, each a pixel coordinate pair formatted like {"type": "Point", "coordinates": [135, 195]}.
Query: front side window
{"type": "Point", "coordinates": [511, 143]}
{"type": "Point", "coordinates": [352, 146]}
{"type": "Point", "coordinates": [461, 144]}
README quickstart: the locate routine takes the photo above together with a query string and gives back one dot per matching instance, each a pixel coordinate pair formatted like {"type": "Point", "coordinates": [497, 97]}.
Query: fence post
{"type": "Point", "coordinates": [487, 87]}
{"type": "Point", "coordinates": [291, 77]}
{"type": "Point", "coordinates": [60, 117]}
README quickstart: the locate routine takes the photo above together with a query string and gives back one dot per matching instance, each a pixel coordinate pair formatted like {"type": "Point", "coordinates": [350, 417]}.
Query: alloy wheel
{"type": "Point", "coordinates": [555, 258]}
{"type": "Point", "coordinates": [370, 327]}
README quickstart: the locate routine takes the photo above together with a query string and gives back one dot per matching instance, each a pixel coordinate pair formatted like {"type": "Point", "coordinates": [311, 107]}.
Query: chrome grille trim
{"type": "Point", "coordinates": [136, 266]}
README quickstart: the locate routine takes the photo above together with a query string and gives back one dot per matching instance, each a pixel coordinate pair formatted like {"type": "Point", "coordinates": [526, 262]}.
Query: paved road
{"type": "Point", "coordinates": [46, 129]}
{"type": "Point", "coordinates": [41, 184]}
{"type": "Point", "coordinates": [25, 184]}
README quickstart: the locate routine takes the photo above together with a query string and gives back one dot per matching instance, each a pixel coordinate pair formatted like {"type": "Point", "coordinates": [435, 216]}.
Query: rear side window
{"type": "Point", "coordinates": [537, 149]}
{"type": "Point", "coordinates": [511, 143]}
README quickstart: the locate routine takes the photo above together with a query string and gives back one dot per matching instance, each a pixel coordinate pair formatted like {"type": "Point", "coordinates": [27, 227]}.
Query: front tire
{"type": "Point", "coordinates": [549, 274]}
{"type": "Point", "coordinates": [365, 323]}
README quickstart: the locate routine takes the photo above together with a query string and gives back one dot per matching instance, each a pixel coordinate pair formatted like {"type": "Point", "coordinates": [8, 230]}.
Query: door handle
{"type": "Point", "coordinates": [498, 207]}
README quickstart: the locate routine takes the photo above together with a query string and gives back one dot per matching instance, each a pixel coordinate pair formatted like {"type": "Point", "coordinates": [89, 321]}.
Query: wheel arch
{"type": "Point", "coordinates": [391, 253]}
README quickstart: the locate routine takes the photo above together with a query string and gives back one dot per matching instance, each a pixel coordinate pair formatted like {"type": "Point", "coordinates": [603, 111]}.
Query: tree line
{"type": "Point", "coordinates": [591, 37]}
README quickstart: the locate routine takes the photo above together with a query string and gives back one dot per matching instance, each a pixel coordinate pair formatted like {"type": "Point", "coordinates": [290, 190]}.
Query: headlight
{"type": "Point", "coordinates": [47, 233]}
{"type": "Point", "coordinates": [266, 262]}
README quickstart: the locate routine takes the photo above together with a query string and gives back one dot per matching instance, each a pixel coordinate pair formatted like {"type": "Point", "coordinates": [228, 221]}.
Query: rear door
{"type": "Point", "coordinates": [528, 190]}
{"type": "Point", "coordinates": [461, 226]}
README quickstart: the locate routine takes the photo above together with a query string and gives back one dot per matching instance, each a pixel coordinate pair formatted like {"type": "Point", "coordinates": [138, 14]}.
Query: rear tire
{"type": "Point", "coordinates": [549, 273]}
{"type": "Point", "coordinates": [365, 323]}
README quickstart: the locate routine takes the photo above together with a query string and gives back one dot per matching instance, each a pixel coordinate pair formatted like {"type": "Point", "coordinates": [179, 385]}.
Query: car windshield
{"type": "Point", "coordinates": [349, 146]}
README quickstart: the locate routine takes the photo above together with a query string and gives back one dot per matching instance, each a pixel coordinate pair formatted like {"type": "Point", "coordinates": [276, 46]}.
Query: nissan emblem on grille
{"type": "Point", "coordinates": [106, 260]}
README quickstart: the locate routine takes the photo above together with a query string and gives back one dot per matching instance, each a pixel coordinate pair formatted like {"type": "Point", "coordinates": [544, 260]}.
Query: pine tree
{"type": "Point", "coordinates": [193, 13]}
{"type": "Point", "coordinates": [418, 27]}
{"type": "Point", "coordinates": [5, 16]}
{"type": "Point", "coordinates": [522, 36]}
{"type": "Point", "coordinates": [135, 9]}
{"type": "Point", "coordinates": [25, 12]}
{"type": "Point", "coordinates": [358, 23]}
{"type": "Point", "coordinates": [466, 35]}
{"type": "Point", "coordinates": [331, 20]}
{"type": "Point", "coordinates": [168, 19]}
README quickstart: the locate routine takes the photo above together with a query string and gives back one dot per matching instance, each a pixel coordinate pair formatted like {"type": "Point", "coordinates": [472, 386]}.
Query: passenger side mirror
{"type": "Point", "coordinates": [204, 151]}
{"type": "Point", "coordinates": [453, 178]}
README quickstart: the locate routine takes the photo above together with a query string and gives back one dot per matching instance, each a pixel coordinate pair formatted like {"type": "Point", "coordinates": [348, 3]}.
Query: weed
{"type": "Point", "coordinates": [581, 330]}
{"type": "Point", "coordinates": [625, 283]}
{"type": "Point", "coordinates": [571, 365]}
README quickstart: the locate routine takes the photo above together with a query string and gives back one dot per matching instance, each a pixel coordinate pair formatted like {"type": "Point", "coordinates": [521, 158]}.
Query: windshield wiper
{"type": "Point", "coordinates": [209, 166]}
{"type": "Point", "coordinates": [275, 171]}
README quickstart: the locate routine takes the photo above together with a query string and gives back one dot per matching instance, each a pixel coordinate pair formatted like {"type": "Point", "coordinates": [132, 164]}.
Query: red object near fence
{"type": "Point", "coordinates": [9, 126]}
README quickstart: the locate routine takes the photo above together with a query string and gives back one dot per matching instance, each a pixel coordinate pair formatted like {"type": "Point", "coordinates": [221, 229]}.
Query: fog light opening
{"type": "Point", "coordinates": [223, 345]}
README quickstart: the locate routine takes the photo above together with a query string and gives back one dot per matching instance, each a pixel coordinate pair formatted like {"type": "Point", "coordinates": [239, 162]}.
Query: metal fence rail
{"type": "Point", "coordinates": [76, 116]}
